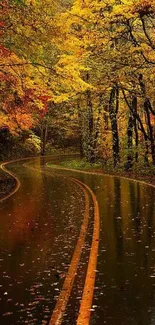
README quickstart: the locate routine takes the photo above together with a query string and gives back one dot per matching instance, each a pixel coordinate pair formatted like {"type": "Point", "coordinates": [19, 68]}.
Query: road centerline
{"type": "Point", "coordinates": [88, 292]}
{"type": "Point", "coordinates": [61, 304]}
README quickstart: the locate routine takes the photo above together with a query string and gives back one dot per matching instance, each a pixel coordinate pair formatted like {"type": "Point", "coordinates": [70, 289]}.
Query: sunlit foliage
{"type": "Point", "coordinates": [97, 55]}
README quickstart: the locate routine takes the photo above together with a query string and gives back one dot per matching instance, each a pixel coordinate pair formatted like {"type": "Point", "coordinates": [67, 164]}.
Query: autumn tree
{"type": "Point", "coordinates": [98, 54]}
{"type": "Point", "coordinates": [118, 41]}
{"type": "Point", "coordinates": [34, 68]}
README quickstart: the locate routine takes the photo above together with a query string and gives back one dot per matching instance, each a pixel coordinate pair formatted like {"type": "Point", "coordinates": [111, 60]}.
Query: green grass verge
{"type": "Point", "coordinates": [78, 164]}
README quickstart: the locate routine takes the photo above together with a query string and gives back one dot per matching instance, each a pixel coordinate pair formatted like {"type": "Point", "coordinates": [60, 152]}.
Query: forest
{"type": "Point", "coordinates": [81, 75]}
{"type": "Point", "coordinates": [77, 162]}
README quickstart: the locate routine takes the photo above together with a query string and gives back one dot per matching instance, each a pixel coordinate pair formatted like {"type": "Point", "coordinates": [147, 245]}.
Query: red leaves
{"type": "Point", "coordinates": [44, 99]}
{"type": "Point", "coordinates": [2, 24]}
{"type": "Point", "coordinates": [4, 52]}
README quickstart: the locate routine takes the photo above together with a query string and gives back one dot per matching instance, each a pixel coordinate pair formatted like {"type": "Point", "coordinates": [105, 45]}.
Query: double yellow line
{"type": "Point", "coordinates": [63, 298]}
{"type": "Point", "coordinates": [88, 291]}
{"type": "Point", "coordinates": [87, 297]}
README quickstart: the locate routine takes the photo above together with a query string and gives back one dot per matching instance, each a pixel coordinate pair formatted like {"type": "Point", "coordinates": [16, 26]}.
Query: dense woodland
{"type": "Point", "coordinates": [78, 73]}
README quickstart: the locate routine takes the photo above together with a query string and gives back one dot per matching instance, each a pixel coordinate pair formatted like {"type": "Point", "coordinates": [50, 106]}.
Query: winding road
{"type": "Point", "coordinates": [76, 247]}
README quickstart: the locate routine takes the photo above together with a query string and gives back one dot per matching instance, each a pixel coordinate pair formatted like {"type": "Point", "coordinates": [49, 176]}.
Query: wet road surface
{"type": "Point", "coordinates": [39, 228]}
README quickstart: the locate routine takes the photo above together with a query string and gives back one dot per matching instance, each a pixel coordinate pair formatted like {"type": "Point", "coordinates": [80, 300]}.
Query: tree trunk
{"type": "Point", "coordinates": [146, 159]}
{"type": "Point", "coordinates": [89, 152]}
{"type": "Point", "coordinates": [150, 128]}
{"type": "Point", "coordinates": [97, 131]}
{"type": "Point", "coordinates": [113, 109]}
{"type": "Point", "coordinates": [80, 128]}
{"type": "Point", "coordinates": [130, 141]}
{"type": "Point", "coordinates": [134, 107]}
{"type": "Point", "coordinates": [148, 110]}
{"type": "Point", "coordinates": [91, 156]}
{"type": "Point", "coordinates": [44, 130]}
{"type": "Point", "coordinates": [105, 111]}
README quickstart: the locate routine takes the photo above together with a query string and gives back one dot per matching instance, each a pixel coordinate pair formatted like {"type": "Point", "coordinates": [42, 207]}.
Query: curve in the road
{"type": "Point", "coordinates": [62, 301]}
{"type": "Point", "coordinates": [86, 302]}
{"type": "Point", "coordinates": [87, 297]}
{"type": "Point", "coordinates": [100, 173]}
{"type": "Point", "coordinates": [18, 184]}
{"type": "Point", "coordinates": [88, 292]}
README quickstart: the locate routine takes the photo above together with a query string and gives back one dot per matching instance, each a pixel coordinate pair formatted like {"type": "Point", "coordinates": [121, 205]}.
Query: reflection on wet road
{"type": "Point", "coordinates": [39, 228]}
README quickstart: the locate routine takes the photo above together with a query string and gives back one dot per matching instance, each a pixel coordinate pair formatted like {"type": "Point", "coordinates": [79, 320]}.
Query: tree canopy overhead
{"type": "Point", "coordinates": [99, 56]}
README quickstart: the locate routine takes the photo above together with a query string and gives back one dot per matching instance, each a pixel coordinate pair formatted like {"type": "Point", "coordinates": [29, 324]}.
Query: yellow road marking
{"type": "Point", "coordinates": [18, 184]}
{"type": "Point", "coordinates": [59, 310]}
{"type": "Point", "coordinates": [69, 169]}
{"type": "Point", "coordinates": [61, 304]}
{"type": "Point", "coordinates": [62, 301]}
{"type": "Point", "coordinates": [100, 174]}
{"type": "Point", "coordinates": [87, 297]}
{"type": "Point", "coordinates": [88, 292]}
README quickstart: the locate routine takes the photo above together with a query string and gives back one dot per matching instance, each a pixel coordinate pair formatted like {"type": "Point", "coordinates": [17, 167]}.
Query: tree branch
{"type": "Point", "coordinates": [146, 33]}
{"type": "Point", "coordinates": [136, 115]}
{"type": "Point", "coordinates": [27, 63]}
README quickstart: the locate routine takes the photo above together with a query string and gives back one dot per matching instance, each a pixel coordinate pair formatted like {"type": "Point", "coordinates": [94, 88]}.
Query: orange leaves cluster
{"type": "Point", "coordinates": [23, 86]}
{"type": "Point", "coordinates": [20, 95]}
